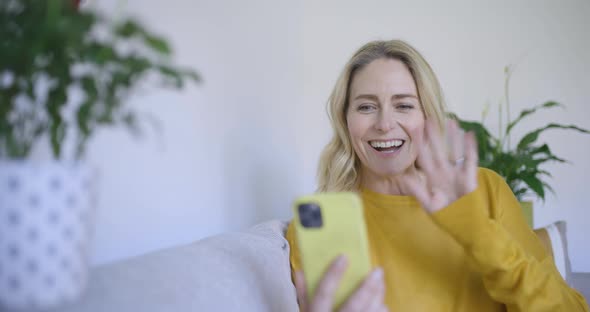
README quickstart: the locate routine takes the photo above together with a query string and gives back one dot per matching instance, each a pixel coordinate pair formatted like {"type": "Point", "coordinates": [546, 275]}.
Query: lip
{"type": "Point", "coordinates": [386, 140]}
{"type": "Point", "coordinates": [388, 154]}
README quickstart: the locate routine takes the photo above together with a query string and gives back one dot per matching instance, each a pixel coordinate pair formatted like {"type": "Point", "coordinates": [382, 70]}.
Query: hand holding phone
{"type": "Point", "coordinates": [327, 226]}
{"type": "Point", "coordinates": [369, 297]}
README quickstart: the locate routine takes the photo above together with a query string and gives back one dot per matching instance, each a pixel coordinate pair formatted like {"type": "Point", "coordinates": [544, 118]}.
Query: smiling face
{"type": "Point", "coordinates": [385, 118]}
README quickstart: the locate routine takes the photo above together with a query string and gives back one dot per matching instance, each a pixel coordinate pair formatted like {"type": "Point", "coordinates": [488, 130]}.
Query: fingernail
{"type": "Point", "coordinates": [341, 260]}
{"type": "Point", "coordinates": [377, 274]}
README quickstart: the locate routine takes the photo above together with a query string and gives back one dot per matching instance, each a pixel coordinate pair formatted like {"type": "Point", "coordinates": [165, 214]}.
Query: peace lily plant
{"type": "Point", "coordinates": [521, 164]}
{"type": "Point", "coordinates": [64, 74]}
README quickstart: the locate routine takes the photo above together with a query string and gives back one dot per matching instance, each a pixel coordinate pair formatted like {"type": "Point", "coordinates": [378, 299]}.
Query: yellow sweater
{"type": "Point", "coordinates": [477, 254]}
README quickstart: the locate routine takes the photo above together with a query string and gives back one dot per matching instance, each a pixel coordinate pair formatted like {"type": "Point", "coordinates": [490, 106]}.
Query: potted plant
{"type": "Point", "coordinates": [64, 74]}
{"type": "Point", "coordinates": [521, 165]}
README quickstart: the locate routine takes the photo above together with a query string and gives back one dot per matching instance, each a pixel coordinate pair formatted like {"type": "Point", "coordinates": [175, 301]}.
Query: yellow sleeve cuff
{"type": "Point", "coordinates": [467, 219]}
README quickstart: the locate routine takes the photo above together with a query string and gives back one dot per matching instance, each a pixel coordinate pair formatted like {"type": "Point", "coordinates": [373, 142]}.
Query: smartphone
{"type": "Point", "coordinates": [328, 225]}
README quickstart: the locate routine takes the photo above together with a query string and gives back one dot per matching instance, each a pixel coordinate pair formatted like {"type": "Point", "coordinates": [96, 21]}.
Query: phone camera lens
{"type": "Point", "coordinates": [310, 215]}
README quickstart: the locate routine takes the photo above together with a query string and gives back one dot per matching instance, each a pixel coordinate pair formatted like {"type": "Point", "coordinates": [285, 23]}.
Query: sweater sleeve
{"type": "Point", "coordinates": [515, 267]}
{"type": "Point", "coordinates": [294, 249]}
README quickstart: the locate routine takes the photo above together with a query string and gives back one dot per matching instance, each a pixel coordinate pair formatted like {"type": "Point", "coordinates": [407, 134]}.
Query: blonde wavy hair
{"type": "Point", "coordinates": [339, 166]}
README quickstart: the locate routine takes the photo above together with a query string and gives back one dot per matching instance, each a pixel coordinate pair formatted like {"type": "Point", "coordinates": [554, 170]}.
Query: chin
{"type": "Point", "coordinates": [389, 171]}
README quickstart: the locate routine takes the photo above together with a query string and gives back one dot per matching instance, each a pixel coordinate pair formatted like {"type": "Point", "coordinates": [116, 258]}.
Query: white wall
{"type": "Point", "coordinates": [237, 149]}
{"type": "Point", "coordinates": [223, 160]}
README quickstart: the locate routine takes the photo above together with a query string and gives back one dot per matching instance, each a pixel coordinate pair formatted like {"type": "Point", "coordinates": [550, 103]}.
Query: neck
{"type": "Point", "coordinates": [391, 185]}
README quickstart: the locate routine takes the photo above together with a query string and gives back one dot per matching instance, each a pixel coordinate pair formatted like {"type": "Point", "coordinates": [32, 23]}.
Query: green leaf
{"type": "Point", "coordinates": [547, 186]}
{"type": "Point", "coordinates": [97, 53]}
{"type": "Point", "coordinates": [136, 65]}
{"type": "Point", "coordinates": [88, 84]}
{"type": "Point", "coordinates": [486, 143]}
{"type": "Point", "coordinates": [532, 136]}
{"type": "Point", "coordinates": [543, 149]}
{"type": "Point", "coordinates": [105, 54]}
{"type": "Point", "coordinates": [111, 103]}
{"type": "Point", "coordinates": [130, 121]}
{"type": "Point", "coordinates": [83, 118]}
{"type": "Point", "coordinates": [128, 29]}
{"type": "Point", "coordinates": [157, 44]}
{"type": "Point", "coordinates": [84, 113]}
{"type": "Point", "coordinates": [519, 193]}
{"type": "Point", "coordinates": [192, 75]}
{"type": "Point", "coordinates": [57, 135]}
{"type": "Point", "coordinates": [545, 172]}
{"type": "Point", "coordinates": [56, 100]}
{"type": "Point", "coordinates": [172, 75]}
{"type": "Point", "coordinates": [527, 112]}
{"type": "Point", "coordinates": [30, 88]}
{"type": "Point", "coordinates": [535, 185]}
{"type": "Point", "coordinates": [12, 145]}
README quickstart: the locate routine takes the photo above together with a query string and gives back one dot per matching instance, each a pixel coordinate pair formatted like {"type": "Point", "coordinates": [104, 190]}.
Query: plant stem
{"type": "Point", "coordinates": [500, 135]}
{"type": "Point", "coordinates": [508, 73]}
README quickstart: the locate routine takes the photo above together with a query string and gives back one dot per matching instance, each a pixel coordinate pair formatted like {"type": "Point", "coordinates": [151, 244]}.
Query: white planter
{"type": "Point", "coordinates": [45, 225]}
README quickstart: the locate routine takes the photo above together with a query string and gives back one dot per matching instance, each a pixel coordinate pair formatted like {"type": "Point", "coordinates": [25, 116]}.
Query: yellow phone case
{"type": "Point", "coordinates": [342, 232]}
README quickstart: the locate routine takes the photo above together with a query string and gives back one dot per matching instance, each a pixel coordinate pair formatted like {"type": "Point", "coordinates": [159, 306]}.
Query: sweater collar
{"type": "Point", "coordinates": [387, 201]}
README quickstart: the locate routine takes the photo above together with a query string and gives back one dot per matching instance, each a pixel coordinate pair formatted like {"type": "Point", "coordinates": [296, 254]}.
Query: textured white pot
{"type": "Point", "coordinates": [46, 212]}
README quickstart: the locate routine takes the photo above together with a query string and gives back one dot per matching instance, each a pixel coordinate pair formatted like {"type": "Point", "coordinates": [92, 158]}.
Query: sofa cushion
{"type": "Point", "coordinates": [241, 271]}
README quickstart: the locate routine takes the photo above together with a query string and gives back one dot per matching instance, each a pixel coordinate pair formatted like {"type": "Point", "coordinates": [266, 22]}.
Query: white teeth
{"type": "Point", "coordinates": [386, 144]}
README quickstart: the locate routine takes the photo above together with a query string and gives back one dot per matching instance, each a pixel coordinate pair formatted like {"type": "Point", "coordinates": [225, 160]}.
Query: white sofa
{"type": "Point", "coordinates": [240, 271]}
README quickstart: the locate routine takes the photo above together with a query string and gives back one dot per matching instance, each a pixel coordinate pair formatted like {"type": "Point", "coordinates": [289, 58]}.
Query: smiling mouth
{"type": "Point", "coordinates": [387, 146]}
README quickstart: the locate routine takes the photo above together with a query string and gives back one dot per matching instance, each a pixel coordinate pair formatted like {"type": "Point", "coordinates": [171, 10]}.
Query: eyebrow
{"type": "Point", "coordinates": [394, 97]}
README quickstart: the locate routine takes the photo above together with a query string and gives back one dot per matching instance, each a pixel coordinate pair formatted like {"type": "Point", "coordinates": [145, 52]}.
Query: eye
{"type": "Point", "coordinates": [405, 106]}
{"type": "Point", "coordinates": [366, 108]}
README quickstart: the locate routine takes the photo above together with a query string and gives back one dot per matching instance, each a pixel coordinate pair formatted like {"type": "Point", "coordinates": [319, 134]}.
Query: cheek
{"type": "Point", "coordinates": [417, 134]}
{"type": "Point", "coordinates": [416, 131]}
{"type": "Point", "coordinates": [356, 127]}
{"type": "Point", "coordinates": [356, 131]}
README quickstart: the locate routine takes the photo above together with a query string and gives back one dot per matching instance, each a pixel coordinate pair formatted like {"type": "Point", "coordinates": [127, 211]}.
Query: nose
{"type": "Point", "coordinates": [385, 121]}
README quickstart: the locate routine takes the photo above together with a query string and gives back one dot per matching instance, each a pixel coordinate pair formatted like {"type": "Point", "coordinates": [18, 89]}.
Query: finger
{"type": "Point", "coordinates": [301, 289]}
{"type": "Point", "coordinates": [455, 141]}
{"type": "Point", "coordinates": [380, 308]}
{"type": "Point", "coordinates": [324, 295]}
{"type": "Point", "coordinates": [376, 303]}
{"type": "Point", "coordinates": [471, 157]}
{"type": "Point", "coordinates": [424, 158]}
{"type": "Point", "coordinates": [423, 150]}
{"type": "Point", "coordinates": [383, 308]}
{"type": "Point", "coordinates": [427, 164]}
{"type": "Point", "coordinates": [435, 141]}
{"type": "Point", "coordinates": [363, 296]}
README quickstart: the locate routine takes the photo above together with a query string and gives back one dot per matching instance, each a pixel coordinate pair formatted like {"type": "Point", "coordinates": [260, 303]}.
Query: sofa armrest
{"type": "Point", "coordinates": [554, 239]}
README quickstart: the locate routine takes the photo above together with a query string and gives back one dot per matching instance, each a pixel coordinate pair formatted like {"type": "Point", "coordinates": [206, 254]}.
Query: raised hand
{"type": "Point", "coordinates": [447, 167]}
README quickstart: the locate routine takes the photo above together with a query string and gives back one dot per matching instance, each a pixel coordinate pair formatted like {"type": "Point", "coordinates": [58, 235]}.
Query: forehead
{"type": "Point", "coordinates": [385, 77]}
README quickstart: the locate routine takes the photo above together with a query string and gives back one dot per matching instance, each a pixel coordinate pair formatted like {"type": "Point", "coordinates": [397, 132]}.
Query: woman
{"type": "Point", "coordinates": [445, 235]}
